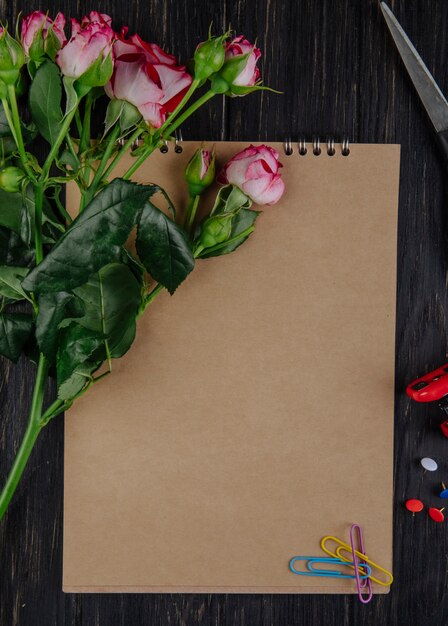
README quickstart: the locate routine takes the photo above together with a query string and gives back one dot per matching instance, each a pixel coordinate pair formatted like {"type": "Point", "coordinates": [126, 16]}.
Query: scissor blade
{"type": "Point", "coordinates": [432, 98]}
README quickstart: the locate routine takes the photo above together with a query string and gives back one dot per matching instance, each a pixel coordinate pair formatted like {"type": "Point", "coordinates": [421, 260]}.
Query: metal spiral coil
{"type": "Point", "coordinates": [289, 147]}
{"type": "Point", "coordinates": [331, 150]}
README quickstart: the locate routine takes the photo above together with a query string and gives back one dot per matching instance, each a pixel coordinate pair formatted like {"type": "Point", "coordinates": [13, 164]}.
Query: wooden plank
{"type": "Point", "coordinates": [340, 74]}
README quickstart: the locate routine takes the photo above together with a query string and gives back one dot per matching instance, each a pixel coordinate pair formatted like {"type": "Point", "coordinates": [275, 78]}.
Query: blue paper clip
{"type": "Point", "coordinates": [365, 570]}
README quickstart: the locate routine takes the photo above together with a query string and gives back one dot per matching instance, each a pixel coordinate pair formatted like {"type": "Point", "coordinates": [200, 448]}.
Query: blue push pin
{"type": "Point", "coordinates": [444, 493]}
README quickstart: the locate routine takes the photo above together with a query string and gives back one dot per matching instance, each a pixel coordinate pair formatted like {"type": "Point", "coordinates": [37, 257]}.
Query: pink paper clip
{"type": "Point", "coordinates": [365, 584]}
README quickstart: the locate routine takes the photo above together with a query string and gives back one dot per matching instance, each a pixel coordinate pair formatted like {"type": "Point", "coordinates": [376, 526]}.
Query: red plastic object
{"type": "Point", "coordinates": [436, 515]}
{"type": "Point", "coordinates": [415, 506]}
{"type": "Point", "coordinates": [432, 386]}
{"type": "Point", "coordinates": [444, 428]}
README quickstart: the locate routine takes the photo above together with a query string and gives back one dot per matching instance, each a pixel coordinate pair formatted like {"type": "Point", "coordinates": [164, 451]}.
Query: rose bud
{"type": "Point", "coordinates": [87, 56]}
{"type": "Point", "coordinates": [12, 58]}
{"type": "Point", "coordinates": [239, 75]}
{"type": "Point", "coordinates": [255, 171]}
{"type": "Point", "coordinates": [215, 230]}
{"type": "Point", "coordinates": [200, 171]}
{"type": "Point", "coordinates": [148, 78]}
{"type": "Point", "coordinates": [209, 57]}
{"type": "Point", "coordinates": [11, 178]}
{"type": "Point", "coordinates": [41, 35]}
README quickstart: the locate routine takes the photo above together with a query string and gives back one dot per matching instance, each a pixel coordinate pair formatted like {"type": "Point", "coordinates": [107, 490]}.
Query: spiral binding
{"type": "Point", "coordinates": [288, 146]}
{"type": "Point", "coordinates": [164, 148]}
{"type": "Point", "coordinates": [302, 149]}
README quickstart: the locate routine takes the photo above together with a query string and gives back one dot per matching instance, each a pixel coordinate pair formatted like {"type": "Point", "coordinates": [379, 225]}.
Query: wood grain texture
{"type": "Point", "coordinates": [340, 74]}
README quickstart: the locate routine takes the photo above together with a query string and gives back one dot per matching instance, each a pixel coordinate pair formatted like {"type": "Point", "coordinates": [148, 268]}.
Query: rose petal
{"type": "Point", "coordinates": [123, 47]}
{"type": "Point", "coordinates": [172, 80]}
{"type": "Point", "coordinates": [153, 53]}
{"type": "Point", "coordinates": [94, 16]}
{"type": "Point", "coordinates": [205, 162]}
{"type": "Point", "coordinates": [262, 193]}
{"type": "Point", "coordinates": [152, 113]}
{"type": "Point", "coordinates": [132, 83]}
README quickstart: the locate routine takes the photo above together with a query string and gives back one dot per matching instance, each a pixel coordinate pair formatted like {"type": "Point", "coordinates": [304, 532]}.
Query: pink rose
{"type": "Point", "coordinates": [255, 171]}
{"type": "Point", "coordinates": [148, 78]}
{"type": "Point", "coordinates": [135, 45]}
{"type": "Point", "coordinates": [37, 24]}
{"type": "Point", "coordinates": [94, 16]}
{"type": "Point", "coordinates": [250, 74]}
{"type": "Point", "coordinates": [91, 40]}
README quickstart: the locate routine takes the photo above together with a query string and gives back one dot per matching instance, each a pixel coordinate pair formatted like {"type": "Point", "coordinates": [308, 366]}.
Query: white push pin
{"type": "Point", "coordinates": [428, 464]}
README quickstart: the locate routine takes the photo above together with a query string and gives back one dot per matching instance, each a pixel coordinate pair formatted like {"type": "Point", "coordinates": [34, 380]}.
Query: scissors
{"type": "Point", "coordinates": [429, 92]}
{"type": "Point", "coordinates": [432, 386]}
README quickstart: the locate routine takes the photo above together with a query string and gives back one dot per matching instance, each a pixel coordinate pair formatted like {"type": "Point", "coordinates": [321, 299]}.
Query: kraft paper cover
{"type": "Point", "coordinates": [254, 413]}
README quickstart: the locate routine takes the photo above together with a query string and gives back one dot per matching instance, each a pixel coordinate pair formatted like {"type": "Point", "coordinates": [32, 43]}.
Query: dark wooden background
{"type": "Point", "coordinates": [340, 73]}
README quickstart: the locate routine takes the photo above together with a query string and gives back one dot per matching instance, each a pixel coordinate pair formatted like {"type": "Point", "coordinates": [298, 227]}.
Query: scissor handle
{"type": "Point", "coordinates": [434, 385]}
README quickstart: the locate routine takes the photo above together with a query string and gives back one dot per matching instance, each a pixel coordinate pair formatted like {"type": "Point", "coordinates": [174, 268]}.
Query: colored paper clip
{"type": "Point", "coordinates": [365, 584]}
{"type": "Point", "coordinates": [344, 547]}
{"type": "Point", "coordinates": [312, 571]}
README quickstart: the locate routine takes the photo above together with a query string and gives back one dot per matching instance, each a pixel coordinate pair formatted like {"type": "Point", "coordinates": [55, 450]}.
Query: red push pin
{"type": "Point", "coordinates": [444, 428]}
{"type": "Point", "coordinates": [413, 505]}
{"type": "Point", "coordinates": [436, 514]}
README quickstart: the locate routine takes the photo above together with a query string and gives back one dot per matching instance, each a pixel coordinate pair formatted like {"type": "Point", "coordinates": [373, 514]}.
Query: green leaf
{"type": "Point", "coordinates": [67, 158]}
{"type": "Point", "coordinates": [10, 209]}
{"type": "Point", "coordinates": [77, 360]}
{"type": "Point", "coordinates": [45, 101]}
{"type": "Point", "coordinates": [7, 143]}
{"type": "Point", "coordinates": [163, 248]}
{"type": "Point", "coordinates": [74, 382]}
{"type": "Point", "coordinates": [52, 43]}
{"type": "Point", "coordinates": [230, 198]}
{"type": "Point", "coordinates": [13, 251]}
{"type": "Point", "coordinates": [31, 351]}
{"type": "Point", "coordinates": [7, 146]}
{"type": "Point", "coordinates": [10, 282]}
{"type": "Point", "coordinates": [32, 66]}
{"type": "Point", "coordinates": [51, 226]}
{"type": "Point", "coordinates": [113, 113]}
{"type": "Point", "coordinates": [234, 66]}
{"type": "Point", "coordinates": [129, 116]}
{"type": "Point", "coordinates": [97, 75]}
{"type": "Point", "coordinates": [111, 300]}
{"type": "Point", "coordinates": [93, 239]}
{"type": "Point", "coordinates": [244, 91]}
{"type": "Point", "coordinates": [243, 220]}
{"type": "Point", "coordinates": [52, 310]}
{"type": "Point", "coordinates": [70, 93]}
{"type": "Point", "coordinates": [15, 329]}
{"type": "Point", "coordinates": [17, 213]}
{"type": "Point", "coordinates": [134, 264]}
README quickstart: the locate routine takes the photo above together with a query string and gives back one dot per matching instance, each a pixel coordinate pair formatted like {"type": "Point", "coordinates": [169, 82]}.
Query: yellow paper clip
{"type": "Point", "coordinates": [344, 547]}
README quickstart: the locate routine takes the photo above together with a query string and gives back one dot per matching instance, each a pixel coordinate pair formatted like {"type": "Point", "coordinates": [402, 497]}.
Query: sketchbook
{"type": "Point", "coordinates": [254, 413]}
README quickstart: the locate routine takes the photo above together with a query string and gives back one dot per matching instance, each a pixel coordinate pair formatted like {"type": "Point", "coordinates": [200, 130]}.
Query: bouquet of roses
{"type": "Point", "coordinates": [70, 290]}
